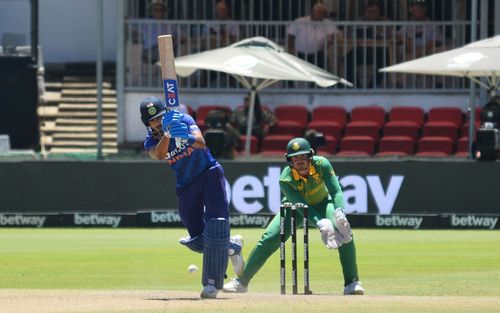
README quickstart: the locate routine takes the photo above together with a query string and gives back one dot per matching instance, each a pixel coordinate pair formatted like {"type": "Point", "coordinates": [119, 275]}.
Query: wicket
{"type": "Point", "coordinates": [292, 208]}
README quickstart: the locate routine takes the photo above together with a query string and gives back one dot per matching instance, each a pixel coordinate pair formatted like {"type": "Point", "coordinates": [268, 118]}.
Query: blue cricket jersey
{"type": "Point", "coordinates": [186, 161]}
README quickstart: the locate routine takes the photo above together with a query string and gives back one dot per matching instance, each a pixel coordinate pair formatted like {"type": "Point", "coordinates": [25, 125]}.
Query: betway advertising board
{"type": "Point", "coordinates": [370, 187]}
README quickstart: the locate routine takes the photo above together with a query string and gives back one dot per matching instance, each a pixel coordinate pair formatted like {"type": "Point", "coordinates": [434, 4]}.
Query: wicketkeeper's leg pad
{"type": "Point", "coordinates": [195, 243]}
{"type": "Point", "coordinates": [215, 258]}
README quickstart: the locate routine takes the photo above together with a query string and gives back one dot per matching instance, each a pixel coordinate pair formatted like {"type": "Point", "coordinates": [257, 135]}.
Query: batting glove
{"type": "Point", "coordinates": [169, 119]}
{"type": "Point", "coordinates": [180, 130]}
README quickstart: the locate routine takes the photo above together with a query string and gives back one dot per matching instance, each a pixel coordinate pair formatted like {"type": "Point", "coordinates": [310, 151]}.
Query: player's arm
{"type": "Point", "coordinates": [199, 141]}
{"type": "Point", "coordinates": [332, 184]}
{"type": "Point", "coordinates": [159, 152]}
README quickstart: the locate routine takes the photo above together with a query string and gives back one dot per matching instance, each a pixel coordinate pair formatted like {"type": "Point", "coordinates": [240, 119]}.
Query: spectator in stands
{"type": "Point", "coordinates": [263, 118]}
{"type": "Point", "coordinates": [420, 39]}
{"type": "Point", "coordinates": [221, 134]}
{"type": "Point", "coordinates": [309, 36]}
{"type": "Point", "coordinates": [360, 62]}
{"type": "Point", "coordinates": [222, 32]}
{"type": "Point", "coordinates": [154, 27]}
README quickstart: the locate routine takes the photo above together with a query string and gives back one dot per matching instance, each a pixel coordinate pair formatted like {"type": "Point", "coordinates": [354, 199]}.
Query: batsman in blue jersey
{"type": "Point", "coordinates": [200, 188]}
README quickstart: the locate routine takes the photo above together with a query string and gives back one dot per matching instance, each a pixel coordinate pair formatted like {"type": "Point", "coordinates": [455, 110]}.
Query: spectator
{"type": "Point", "coordinates": [224, 33]}
{"type": "Point", "coordinates": [263, 118]}
{"type": "Point", "coordinates": [418, 40]}
{"type": "Point", "coordinates": [152, 28]}
{"type": "Point", "coordinates": [308, 36]}
{"type": "Point", "coordinates": [361, 59]}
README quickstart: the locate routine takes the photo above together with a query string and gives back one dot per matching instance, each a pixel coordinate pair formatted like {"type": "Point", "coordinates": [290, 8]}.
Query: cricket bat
{"type": "Point", "coordinates": [169, 75]}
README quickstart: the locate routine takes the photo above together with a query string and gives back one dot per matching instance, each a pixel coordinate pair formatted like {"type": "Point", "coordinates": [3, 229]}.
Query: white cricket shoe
{"type": "Point", "coordinates": [209, 292]}
{"type": "Point", "coordinates": [234, 286]}
{"type": "Point", "coordinates": [235, 254]}
{"type": "Point", "coordinates": [354, 288]}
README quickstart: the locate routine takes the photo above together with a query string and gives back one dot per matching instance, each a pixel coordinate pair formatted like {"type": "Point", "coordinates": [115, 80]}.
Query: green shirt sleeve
{"type": "Point", "coordinates": [332, 183]}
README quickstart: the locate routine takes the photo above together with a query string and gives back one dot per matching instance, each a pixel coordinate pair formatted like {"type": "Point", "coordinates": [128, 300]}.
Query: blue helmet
{"type": "Point", "coordinates": [151, 108]}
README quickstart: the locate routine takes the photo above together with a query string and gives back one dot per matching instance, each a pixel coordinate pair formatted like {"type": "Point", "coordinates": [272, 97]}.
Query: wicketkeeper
{"type": "Point", "coordinates": [200, 188]}
{"type": "Point", "coordinates": [311, 180]}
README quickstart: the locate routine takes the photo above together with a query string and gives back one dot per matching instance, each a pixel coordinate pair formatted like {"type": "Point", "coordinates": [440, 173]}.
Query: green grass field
{"type": "Point", "coordinates": [446, 267]}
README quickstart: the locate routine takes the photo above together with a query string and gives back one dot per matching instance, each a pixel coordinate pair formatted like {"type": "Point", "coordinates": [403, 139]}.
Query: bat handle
{"type": "Point", "coordinates": [178, 142]}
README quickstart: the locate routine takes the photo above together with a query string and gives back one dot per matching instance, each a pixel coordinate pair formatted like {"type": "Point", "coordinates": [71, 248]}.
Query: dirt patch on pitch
{"type": "Point", "coordinates": [55, 301]}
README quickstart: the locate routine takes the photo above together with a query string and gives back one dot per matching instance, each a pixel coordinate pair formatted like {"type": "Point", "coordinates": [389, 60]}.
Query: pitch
{"type": "Point", "coordinates": [146, 270]}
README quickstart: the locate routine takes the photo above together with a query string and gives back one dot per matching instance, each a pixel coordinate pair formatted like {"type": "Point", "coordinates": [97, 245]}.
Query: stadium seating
{"type": "Point", "coordinates": [357, 145]}
{"type": "Point", "coordinates": [330, 148]}
{"type": "Point", "coordinates": [435, 146]}
{"type": "Point", "coordinates": [462, 147]}
{"type": "Point", "coordinates": [203, 110]}
{"type": "Point", "coordinates": [396, 145]}
{"type": "Point", "coordinates": [366, 121]}
{"type": "Point", "coordinates": [405, 121]}
{"type": "Point", "coordinates": [254, 144]}
{"type": "Point", "coordinates": [274, 145]}
{"type": "Point", "coordinates": [291, 120]}
{"type": "Point", "coordinates": [329, 120]}
{"type": "Point", "coordinates": [443, 122]}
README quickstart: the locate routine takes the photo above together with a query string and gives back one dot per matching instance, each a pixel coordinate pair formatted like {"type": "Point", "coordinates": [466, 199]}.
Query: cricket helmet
{"type": "Point", "coordinates": [151, 108]}
{"type": "Point", "coordinates": [298, 146]}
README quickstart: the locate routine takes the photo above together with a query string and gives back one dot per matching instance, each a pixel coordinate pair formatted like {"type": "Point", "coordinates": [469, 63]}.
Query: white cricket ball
{"type": "Point", "coordinates": [192, 268]}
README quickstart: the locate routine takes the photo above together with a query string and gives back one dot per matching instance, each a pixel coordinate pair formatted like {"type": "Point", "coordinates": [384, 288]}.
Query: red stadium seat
{"type": "Point", "coordinates": [366, 121]}
{"type": "Point", "coordinates": [357, 145]}
{"type": "Point", "coordinates": [294, 113]}
{"type": "Point", "coordinates": [443, 122]}
{"type": "Point", "coordinates": [334, 114]}
{"type": "Point", "coordinates": [274, 145]}
{"type": "Point", "coordinates": [327, 128]}
{"type": "Point", "coordinates": [402, 128]}
{"type": "Point", "coordinates": [404, 121]}
{"type": "Point", "coordinates": [203, 110]}
{"type": "Point", "coordinates": [291, 120]}
{"type": "Point", "coordinates": [435, 146]}
{"type": "Point", "coordinates": [396, 145]}
{"type": "Point", "coordinates": [363, 129]}
{"type": "Point", "coordinates": [254, 144]}
{"type": "Point", "coordinates": [330, 148]}
{"type": "Point", "coordinates": [373, 114]}
{"type": "Point", "coordinates": [407, 114]}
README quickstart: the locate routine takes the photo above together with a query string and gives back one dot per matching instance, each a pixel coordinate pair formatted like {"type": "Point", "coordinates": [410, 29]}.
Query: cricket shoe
{"type": "Point", "coordinates": [234, 252]}
{"type": "Point", "coordinates": [209, 292]}
{"type": "Point", "coordinates": [234, 286]}
{"type": "Point", "coordinates": [354, 288]}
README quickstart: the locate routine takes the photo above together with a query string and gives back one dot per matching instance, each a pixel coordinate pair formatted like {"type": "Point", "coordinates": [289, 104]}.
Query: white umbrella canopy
{"type": "Point", "coordinates": [256, 63]}
{"type": "Point", "coordinates": [477, 59]}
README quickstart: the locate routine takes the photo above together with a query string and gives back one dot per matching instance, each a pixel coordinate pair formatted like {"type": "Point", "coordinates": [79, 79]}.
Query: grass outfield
{"type": "Point", "coordinates": [401, 270]}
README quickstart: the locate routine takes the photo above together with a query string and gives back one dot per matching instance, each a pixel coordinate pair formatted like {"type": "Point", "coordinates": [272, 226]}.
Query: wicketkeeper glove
{"type": "Point", "coordinates": [169, 119]}
{"type": "Point", "coordinates": [342, 225]}
{"type": "Point", "coordinates": [329, 234]}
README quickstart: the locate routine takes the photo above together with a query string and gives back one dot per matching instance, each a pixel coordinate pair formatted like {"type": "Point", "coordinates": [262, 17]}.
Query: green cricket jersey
{"type": "Point", "coordinates": [320, 184]}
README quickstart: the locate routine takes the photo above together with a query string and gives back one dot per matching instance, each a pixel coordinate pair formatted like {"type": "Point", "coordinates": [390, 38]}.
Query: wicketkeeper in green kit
{"type": "Point", "coordinates": [310, 180]}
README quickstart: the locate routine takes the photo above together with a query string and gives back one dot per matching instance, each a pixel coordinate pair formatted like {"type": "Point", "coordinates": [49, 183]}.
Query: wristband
{"type": "Point", "coordinates": [191, 139]}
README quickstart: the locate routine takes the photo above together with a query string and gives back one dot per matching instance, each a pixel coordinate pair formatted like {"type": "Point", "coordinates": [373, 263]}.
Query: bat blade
{"type": "Point", "coordinates": [169, 74]}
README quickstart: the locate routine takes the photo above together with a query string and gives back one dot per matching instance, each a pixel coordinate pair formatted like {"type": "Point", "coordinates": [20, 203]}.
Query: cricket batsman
{"type": "Point", "coordinates": [200, 188]}
{"type": "Point", "coordinates": [310, 180]}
